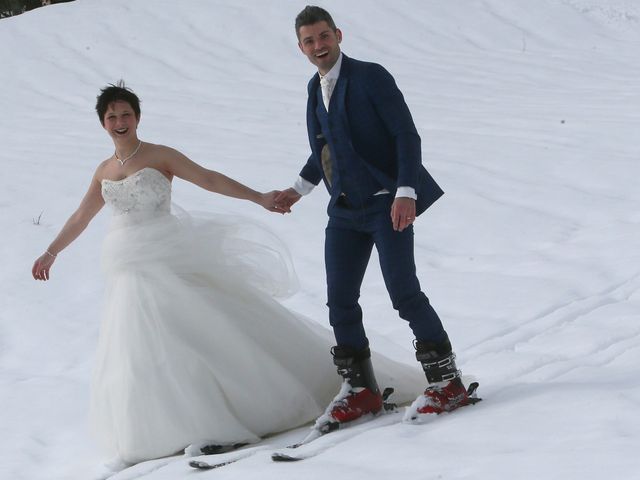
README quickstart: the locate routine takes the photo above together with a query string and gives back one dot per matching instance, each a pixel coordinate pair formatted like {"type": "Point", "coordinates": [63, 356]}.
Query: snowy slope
{"type": "Point", "coordinates": [529, 114]}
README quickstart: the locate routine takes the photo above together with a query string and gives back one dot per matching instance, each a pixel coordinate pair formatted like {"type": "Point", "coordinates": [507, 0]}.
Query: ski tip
{"type": "Point", "coordinates": [214, 449]}
{"type": "Point", "coordinates": [282, 457]}
{"type": "Point", "coordinates": [200, 465]}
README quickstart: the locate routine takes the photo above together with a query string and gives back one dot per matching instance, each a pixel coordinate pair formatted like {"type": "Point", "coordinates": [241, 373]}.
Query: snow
{"type": "Point", "coordinates": [529, 116]}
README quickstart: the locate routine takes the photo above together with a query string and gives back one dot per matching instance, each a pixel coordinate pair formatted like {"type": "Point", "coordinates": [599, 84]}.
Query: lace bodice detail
{"type": "Point", "coordinates": [145, 194]}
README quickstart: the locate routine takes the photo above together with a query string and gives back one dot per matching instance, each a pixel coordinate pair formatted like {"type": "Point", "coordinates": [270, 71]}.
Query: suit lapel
{"type": "Point", "coordinates": [313, 127]}
{"type": "Point", "coordinates": [339, 94]}
{"type": "Point", "coordinates": [312, 89]}
{"type": "Point", "coordinates": [340, 90]}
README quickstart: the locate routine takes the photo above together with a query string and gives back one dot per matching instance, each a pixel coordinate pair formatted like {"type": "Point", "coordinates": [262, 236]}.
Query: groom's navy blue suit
{"type": "Point", "coordinates": [374, 146]}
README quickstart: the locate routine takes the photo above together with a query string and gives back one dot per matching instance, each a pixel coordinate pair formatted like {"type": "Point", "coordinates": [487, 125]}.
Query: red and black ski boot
{"type": "Point", "coordinates": [446, 391]}
{"type": "Point", "coordinates": [359, 394]}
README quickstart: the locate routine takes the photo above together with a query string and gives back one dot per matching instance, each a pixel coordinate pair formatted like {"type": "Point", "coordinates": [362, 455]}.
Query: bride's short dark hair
{"type": "Point", "coordinates": [113, 93]}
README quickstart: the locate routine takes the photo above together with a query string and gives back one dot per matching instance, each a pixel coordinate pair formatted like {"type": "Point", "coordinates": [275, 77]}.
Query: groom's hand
{"type": "Point", "coordinates": [403, 213]}
{"type": "Point", "coordinates": [285, 200]}
{"type": "Point", "coordinates": [268, 201]}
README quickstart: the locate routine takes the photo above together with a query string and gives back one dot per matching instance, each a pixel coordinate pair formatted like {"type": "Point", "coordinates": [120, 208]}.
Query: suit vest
{"type": "Point", "coordinates": [350, 174]}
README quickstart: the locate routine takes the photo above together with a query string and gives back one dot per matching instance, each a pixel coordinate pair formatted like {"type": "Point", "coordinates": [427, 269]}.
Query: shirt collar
{"type": "Point", "coordinates": [334, 73]}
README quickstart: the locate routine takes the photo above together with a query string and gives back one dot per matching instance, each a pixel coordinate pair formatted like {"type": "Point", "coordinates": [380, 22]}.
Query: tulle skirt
{"type": "Point", "coordinates": [193, 346]}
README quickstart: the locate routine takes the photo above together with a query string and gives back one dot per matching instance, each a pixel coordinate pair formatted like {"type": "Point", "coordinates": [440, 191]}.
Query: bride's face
{"type": "Point", "coordinates": [120, 121]}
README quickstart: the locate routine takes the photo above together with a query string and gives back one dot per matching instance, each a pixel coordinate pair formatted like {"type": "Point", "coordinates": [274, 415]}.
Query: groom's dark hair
{"type": "Point", "coordinates": [114, 93]}
{"type": "Point", "coordinates": [312, 14]}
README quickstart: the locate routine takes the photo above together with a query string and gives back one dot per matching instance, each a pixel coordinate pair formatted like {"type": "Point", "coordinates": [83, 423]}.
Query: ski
{"type": "Point", "coordinates": [316, 432]}
{"type": "Point", "coordinates": [325, 435]}
{"type": "Point", "coordinates": [325, 442]}
{"type": "Point", "coordinates": [202, 465]}
{"type": "Point", "coordinates": [348, 431]}
{"type": "Point", "coordinates": [219, 449]}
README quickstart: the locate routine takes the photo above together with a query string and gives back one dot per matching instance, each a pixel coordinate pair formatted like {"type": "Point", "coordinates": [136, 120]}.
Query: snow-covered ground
{"type": "Point", "coordinates": [529, 114]}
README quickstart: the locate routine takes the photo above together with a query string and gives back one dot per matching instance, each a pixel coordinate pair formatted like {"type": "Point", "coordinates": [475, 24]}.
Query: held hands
{"type": "Point", "coordinates": [278, 201]}
{"type": "Point", "coordinates": [403, 213]}
{"type": "Point", "coordinates": [42, 265]}
{"type": "Point", "coordinates": [285, 200]}
{"type": "Point", "coordinates": [268, 201]}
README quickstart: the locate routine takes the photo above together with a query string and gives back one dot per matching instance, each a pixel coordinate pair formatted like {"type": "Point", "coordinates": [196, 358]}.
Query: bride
{"type": "Point", "coordinates": [193, 348]}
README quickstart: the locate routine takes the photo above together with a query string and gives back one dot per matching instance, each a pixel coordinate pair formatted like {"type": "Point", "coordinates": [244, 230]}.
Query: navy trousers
{"type": "Point", "coordinates": [348, 245]}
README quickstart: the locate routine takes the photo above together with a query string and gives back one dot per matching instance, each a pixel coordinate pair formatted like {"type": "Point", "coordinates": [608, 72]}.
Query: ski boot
{"type": "Point", "coordinates": [445, 392]}
{"type": "Point", "coordinates": [359, 394]}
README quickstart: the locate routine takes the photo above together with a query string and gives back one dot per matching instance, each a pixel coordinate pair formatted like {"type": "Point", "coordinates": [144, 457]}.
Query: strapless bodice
{"type": "Point", "coordinates": [145, 194]}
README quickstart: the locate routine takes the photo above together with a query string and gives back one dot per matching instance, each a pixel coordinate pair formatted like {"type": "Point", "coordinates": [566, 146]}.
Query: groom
{"type": "Point", "coordinates": [366, 150]}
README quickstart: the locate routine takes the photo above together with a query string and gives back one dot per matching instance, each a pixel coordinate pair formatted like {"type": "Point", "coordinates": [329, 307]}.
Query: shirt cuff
{"type": "Point", "coordinates": [303, 187]}
{"type": "Point", "coordinates": [408, 192]}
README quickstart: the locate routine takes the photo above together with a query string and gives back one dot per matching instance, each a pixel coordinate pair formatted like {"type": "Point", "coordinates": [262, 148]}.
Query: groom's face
{"type": "Point", "coordinates": [320, 44]}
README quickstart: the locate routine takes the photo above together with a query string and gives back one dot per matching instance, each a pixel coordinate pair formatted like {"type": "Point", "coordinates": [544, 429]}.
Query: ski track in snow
{"type": "Point", "coordinates": [528, 117]}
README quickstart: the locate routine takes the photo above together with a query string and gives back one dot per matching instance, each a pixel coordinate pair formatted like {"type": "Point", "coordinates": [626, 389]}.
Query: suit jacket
{"type": "Point", "coordinates": [371, 121]}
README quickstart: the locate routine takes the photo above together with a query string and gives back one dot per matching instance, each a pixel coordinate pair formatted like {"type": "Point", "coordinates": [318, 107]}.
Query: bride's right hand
{"type": "Point", "coordinates": [42, 265]}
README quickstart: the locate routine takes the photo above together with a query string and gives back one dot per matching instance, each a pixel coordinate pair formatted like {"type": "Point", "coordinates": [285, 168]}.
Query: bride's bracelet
{"type": "Point", "coordinates": [49, 253]}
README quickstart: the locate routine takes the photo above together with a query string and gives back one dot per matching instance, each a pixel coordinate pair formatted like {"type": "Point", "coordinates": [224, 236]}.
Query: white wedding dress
{"type": "Point", "coordinates": [193, 347]}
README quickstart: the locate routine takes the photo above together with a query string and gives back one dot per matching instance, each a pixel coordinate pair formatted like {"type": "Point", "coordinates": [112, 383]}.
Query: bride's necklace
{"type": "Point", "coordinates": [124, 160]}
